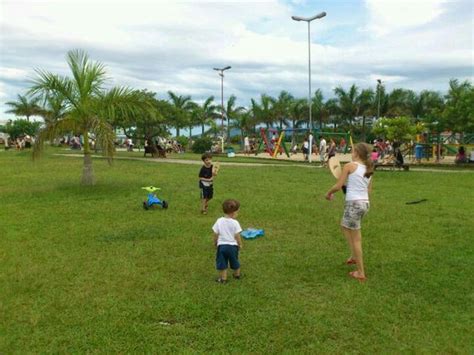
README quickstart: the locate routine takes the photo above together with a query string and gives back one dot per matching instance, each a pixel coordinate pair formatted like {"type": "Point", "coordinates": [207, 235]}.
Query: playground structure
{"type": "Point", "coordinates": [436, 145]}
{"type": "Point", "coordinates": [274, 141]}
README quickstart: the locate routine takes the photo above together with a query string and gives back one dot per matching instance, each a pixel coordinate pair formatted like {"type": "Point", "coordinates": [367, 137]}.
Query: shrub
{"type": "Point", "coordinates": [182, 140]}
{"type": "Point", "coordinates": [202, 145]}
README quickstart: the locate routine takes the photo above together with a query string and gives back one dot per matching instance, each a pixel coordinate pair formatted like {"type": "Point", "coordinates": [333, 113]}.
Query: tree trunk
{"type": "Point", "coordinates": [202, 130]}
{"type": "Point", "coordinates": [190, 132]}
{"type": "Point", "coordinates": [177, 132]}
{"type": "Point", "coordinates": [87, 170]}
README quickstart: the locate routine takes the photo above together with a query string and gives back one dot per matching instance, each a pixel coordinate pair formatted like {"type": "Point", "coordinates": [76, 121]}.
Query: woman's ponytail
{"type": "Point", "coordinates": [363, 152]}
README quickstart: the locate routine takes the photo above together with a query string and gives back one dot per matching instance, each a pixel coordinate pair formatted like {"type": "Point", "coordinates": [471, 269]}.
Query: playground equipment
{"type": "Point", "coordinates": [273, 140]}
{"type": "Point", "coordinates": [275, 146]}
{"type": "Point", "coordinates": [438, 144]}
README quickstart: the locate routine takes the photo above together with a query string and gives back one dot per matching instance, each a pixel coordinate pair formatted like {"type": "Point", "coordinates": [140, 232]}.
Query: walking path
{"type": "Point", "coordinates": [198, 162]}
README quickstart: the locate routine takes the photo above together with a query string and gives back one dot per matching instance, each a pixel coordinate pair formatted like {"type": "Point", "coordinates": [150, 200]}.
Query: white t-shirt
{"type": "Point", "coordinates": [226, 228]}
{"type": "Point", "coordinates": [322, 146]}
{"type": "Point", "coordinates": [246, 142]}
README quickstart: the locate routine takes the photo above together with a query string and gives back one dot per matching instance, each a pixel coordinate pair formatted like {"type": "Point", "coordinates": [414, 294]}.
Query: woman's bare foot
{"type": "Point", "coordinates": [358, 276]}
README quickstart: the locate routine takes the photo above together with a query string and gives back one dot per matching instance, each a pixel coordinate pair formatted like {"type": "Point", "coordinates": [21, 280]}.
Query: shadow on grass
{"type": "Point", "coordinates": [130, 236]}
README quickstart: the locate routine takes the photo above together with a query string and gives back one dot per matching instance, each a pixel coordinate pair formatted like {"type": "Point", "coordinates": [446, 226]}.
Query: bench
{"type": "Point", "coordinates": [154, 151]}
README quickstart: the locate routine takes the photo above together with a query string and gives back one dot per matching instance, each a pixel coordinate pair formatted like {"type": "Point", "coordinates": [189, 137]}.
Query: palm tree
{"type": "Point", "coordinates": [263, 111]}
{"type": "Point", "coordinates": [24, 107]}
{"type": "Point", "coordinates": [243, 122]}
{"type": "Point", "coordinates": [331, 107]}
{"type": "Point", "coordinates": [400, 103]}
{"type": "Point", "coordinates": [232, 112]}
{"type": "Point", "coordinates": [298, 115]}
{"type": "Point", "coordinates": [348, 102]}
{"type": "Point", "coordinates": [281, 107]}
{"type": "Point", "coordinates": [365, 103]}
{"type": "Point", "coordinates": [54, 109]}
{"type": "Point", "coordinates": [318, 108]}
{"type": "Point", "coordinates": [182, 106]}
{"type": "Point", "coordinates": [206, 112]}
{"type": "Point", "coordinates": [87, 106]}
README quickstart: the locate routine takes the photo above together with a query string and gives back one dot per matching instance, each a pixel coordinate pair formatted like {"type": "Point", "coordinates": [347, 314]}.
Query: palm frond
{"type": "Point", "coordinates": [47, 84]}
{"type": "Point", "coordinates": [54, 130]}
{"type": "Point", "coordinates": [89, 76]}
{"type": "Point", "coordinates": [105, 137]}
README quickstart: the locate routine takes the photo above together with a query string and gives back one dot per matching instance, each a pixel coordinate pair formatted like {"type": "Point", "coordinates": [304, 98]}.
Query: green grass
{"type": "Point", "coordinates": [88, 270]}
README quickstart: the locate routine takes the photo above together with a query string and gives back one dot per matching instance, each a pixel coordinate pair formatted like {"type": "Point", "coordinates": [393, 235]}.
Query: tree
{"type": "Point", "coordinates": [232, 111]}
{"type": "Point", "coordinates": [149, 122]}
{"type": "Point", "coordinates": [281, 107]}
{"type": "Point", "coordinates": [243, 122]}
{"type": "Point", "coordinates": [87, 106]}
{"type": "Point", "coordinates": [347, 102]}
{"type": "Point", "coordinates": [263, 111]}
{"type": "Point", "coordinates": [333, 112]}
{"type": "Point", "coordinates": [365, 104]}
{"type": "Point", "coordinates": [18, 128]}
{"type": "Point", "coordinates": [400, 129]}
{"type": "Point", "coordinates": [400, 103]}
{"type": "Point", "coordinates": [298, 115]}
{"type": "Point", "coordinates": [205, 113]}
{"type": "Point", "coordinates": [458, 114]}
{"type": "Point", "coordinates": [54, 109]}
{"type": "Point", "coordinates": [318, 109]}
{"type": "Point", "coordinates": [181, 110]}
{"type": "Point", "coordinates": [24, 107]}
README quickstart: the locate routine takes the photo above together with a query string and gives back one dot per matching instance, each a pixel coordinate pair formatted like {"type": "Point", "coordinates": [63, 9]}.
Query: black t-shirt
{"type": "Point", "coordinates": [205, 172]}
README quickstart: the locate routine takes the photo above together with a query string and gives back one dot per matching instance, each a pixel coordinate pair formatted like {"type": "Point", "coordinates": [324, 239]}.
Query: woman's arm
{"type": "Point", "coordinates": [348, 168]}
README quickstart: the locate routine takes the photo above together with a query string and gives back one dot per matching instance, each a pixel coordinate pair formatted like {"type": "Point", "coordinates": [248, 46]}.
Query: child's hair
{"type": "Point", "coordinates": [206, 156]}
{"type": "Point", "coordinates": [362, 150]}
{"type": "Point", "coordinates": [230, 206]}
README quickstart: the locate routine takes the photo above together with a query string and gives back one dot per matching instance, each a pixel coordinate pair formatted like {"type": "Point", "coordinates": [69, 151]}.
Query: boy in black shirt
{"type": "Point", "coordinates": [206, 177]}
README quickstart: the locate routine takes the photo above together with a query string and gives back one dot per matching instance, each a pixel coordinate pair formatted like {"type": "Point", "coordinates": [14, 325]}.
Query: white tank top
{"type": "Point", "coordinates": [358, 184]}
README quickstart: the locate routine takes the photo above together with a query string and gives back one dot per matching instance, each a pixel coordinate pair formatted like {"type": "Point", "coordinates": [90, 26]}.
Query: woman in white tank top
{"type": "Point", "coordinates": [358, 175]}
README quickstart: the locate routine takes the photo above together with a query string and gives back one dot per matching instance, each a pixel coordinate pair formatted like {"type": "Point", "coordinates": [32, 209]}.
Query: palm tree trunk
{"type": "Point", "coordinates": [177, 132]}
{"type": "Point", "coordinates": [202, 130]}
{"type": "Point", "coordinates": [190, 130]}
{"type": "Point", "coordinates": [87, 170]}
{"type": "Point", "coordinates": [363, 128]}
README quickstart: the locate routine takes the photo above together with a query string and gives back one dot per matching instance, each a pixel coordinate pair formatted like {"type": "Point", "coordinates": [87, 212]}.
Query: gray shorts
{"type": "Point", "coordinates": [353, 213]}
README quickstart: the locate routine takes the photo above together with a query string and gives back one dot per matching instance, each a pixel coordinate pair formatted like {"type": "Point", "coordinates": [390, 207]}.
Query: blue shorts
{"type": "Point", "coordinates": [227, 254]}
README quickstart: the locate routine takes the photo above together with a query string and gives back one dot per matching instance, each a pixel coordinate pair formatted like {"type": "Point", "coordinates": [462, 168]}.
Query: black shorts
{"type": "Point", "coordinates": [207, 192]}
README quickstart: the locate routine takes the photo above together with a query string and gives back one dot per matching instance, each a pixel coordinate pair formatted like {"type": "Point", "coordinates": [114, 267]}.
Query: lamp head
{"type": "Point", "coordinates": [309, 19]}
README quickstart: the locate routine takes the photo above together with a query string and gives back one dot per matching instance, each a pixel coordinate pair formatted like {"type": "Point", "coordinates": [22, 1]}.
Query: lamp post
{"type": "Point", "coordinates": [221, 74]}
{"type": "Point", "coordinates": [379, 84]}
{"type": "Point", "coordinates": [308, 20]}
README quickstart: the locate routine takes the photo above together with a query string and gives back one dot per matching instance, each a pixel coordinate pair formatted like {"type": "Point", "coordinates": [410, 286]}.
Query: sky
{"type": "Point", "coordinates": [174, 45]}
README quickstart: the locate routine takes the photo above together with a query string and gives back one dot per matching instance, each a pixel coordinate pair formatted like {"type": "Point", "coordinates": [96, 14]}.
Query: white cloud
{"type": "Point", "coordinates": [173, 46]}
{"type": "Point", "coordinates": [387, 16]}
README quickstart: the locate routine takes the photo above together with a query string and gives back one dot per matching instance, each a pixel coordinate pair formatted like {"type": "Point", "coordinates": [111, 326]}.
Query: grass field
{"type": "Point", "coordinates": [88, 270]}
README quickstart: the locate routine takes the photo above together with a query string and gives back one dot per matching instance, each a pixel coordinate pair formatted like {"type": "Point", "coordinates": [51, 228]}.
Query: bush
{"type": "Point", "coordinates": [182, 140]}
{"type": "Point", "coordinates": [202, 145]}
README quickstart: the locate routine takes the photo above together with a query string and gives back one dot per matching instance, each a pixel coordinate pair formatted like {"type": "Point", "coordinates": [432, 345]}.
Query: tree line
{"type": "Point", "coordinates": [81, 104]}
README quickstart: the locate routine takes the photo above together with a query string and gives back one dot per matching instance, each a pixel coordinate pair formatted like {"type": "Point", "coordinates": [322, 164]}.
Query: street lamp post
{"type": "Point", "coordinates": [308, 20]}
{"type": "Point", "coordinates": [379, 84]}
{"type": "Point", "coordinates": [221, 74]}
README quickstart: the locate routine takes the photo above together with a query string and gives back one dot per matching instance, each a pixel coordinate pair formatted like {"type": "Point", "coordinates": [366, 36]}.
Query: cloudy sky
{"type": "Point", "coordinates": [173, 45]}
